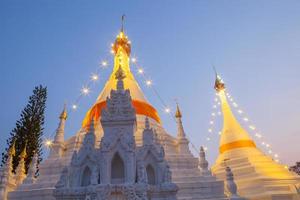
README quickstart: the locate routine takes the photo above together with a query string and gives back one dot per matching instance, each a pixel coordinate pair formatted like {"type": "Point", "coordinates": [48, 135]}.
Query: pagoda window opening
{"type": "Point", "coordinates": [117, 169]}
{"type": "Point", "coordinates": [150, 175]}
{"type": "Point", "coordinates": [86, 177]}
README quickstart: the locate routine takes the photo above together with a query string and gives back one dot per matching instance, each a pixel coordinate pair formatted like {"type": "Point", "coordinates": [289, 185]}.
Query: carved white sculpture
{"type": "Point", "coordinates": [122, 165]}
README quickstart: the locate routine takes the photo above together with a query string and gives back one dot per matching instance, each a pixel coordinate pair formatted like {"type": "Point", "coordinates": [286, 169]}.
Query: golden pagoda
{"type": "Point", "coordinates": [257, 175]}
{"type": "Point", "coordinates": [121, 50]}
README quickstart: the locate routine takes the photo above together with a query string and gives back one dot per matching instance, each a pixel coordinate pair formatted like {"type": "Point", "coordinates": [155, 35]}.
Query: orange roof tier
{"type": "Point", "coordinates": [140, 107]}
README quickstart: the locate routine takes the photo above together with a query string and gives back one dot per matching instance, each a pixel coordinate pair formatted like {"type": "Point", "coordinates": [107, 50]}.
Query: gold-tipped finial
{"type": "Point", "coordinates": [219, 83]}
{"type": "Point", "coordinates": [12, 149]}
{"type": "Point", "coordinates": [178, 113]}
{"type": "Point", "coordinates": [64, 114]}
{"type": "Point", "coordinates": [23, 153]}
{"type": "Point", "coordinates": [120, 75]}
{"type": "Point", "coordinates": [121, 41]}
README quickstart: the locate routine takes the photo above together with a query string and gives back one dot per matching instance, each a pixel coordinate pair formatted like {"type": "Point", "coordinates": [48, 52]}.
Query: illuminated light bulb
{"type": "Point", "coordinates": [263, 143]}
{"type": "Point", "coordinates": [167, 110]}
{"type": "Point", "coordinates": [220, 133]}
{"type": "Point", "coordinates": [219, 103]}
{"type": "Point", "coordinates": [235, 104]}
{"type": "Point", "coordinates": [267, 145]}
{"type": "Point", "coordinates": [205, 148]}
{"type": "Point", "coordinates": [112, 44]}
{"type": "Point", "coordinates": [148, 82]}
{"type": "Point", "coordinates": [252, 127]}
{"type": "Point", "coordinates": [74, 106]}
{"type": "Point", "coordinates": [219, 113]}
{"type": "Point", "coordinates": [94, 77]}
{"type": "Point", "coordinates": [240, 111]}
{"type": "Point", "coordinates": [104, 63]}
{"type": "Point", "coordinates": [216, 99]}
{"type": "Point", "coordinates": [246, 119]}
{"type": "Point", "coordinates": [48, 143]}
{"type": "Point", "coordinates": [211, 122]}
{"type": "Point", "coordinates": [214, 106]}
{"type": "Point", "coordinates": [133, 60]}
{"type": "Point", "coordinates": [140, 71]}
{"type": "Point", "coordinates": [85, 91]}
{"type": "Point", "coordinates": [277, 160]}
{"type": "Point", "coordinates": [210, 130]}
{"type": "Point", "coordinates": [258, 135]}
{"type": "Point", "coordinates": [213, 114]}
{"type": "Point", "coordinates": [276, 156]}
{"type": "Point", "coordinates": [208, 139]}
{"type": "Point", "coordinates": [286, 167]}
{"type": "Point", "coordinates": [270, 151]}
{"type": "Point", "coordinates": [112, 51]}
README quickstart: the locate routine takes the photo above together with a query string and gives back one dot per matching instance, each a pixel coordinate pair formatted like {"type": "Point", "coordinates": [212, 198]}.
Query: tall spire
{"type": "Point", "coordinates": [20, 171]}
{"type": "Point", "coordinates": [57, 147]}
{"type": "Point", "coordinates": [182, 141]}
{"type": "Point", "coordinates": [31, 170]}
{"type": "Point", "coordinates": [60, 132]}
{"type": "Point", "coordinates": [233, 135]}
{"type": "Point", "coordinates": [120, 76]}
{"type": "Point", "coordinates": [203, 163]}
{"type": "Point", "coordinates": [121, 49]}
{"type": "Point", "coordinates": [180, 130]}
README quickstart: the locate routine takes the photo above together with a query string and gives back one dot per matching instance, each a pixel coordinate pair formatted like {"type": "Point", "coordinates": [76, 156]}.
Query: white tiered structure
{"type": "Point", "coordinates": [257, 175]}
{"type": "Point", "coordinates": [86, 166]}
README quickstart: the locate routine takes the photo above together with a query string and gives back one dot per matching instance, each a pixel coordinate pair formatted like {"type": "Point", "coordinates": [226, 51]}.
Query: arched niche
{"type": "Point", "coordinates": [117, 169]}
{"type": "Point", "coordinates": [150, 175]}
{"type": "Point", "coordinates": [86, 177]}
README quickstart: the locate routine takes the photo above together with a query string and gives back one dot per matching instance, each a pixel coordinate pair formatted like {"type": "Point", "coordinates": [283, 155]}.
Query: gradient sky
{"type": "Point", "coordinates": [255, 45]}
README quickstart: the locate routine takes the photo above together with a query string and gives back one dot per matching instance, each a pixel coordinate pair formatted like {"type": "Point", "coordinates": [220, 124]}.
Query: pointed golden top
{"type": "Point", "coordinates": [122, 41]}
{"type": "Point", "coordinates": [23, 153]}
{"type": "Point", "coordinates": [64, 114]}
{"type": "Point", "coordinates": [12, 149]}
{"type": "Point", "coordinates": [219, 84]}
{"type": "Point", "coordinates": [178, 113]}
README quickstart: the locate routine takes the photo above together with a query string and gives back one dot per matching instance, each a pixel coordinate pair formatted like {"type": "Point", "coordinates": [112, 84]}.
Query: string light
{"type": "Point", "coordinates": [85, 91]}
{"type": "Point", "coordinates": [167, 110]}
{"type": "Point", "coordinates": [74, 107]}
{"type": "Point", "coordinates": [48, 143]}
{"type": "Point", "coordinates": [133, 60]}
{"type": "Point", "coordinates": [94, 77]}
{"type": "Point", "coordinates": [140, 71]}
{"type": "Point", "coordinates": [148, 82]}
{"type": "Point", "coordinates": [104, 63]}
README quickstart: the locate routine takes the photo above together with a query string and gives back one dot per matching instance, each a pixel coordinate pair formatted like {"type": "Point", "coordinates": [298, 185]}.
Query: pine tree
{"type": "Point", "coordinates": [29, 129]}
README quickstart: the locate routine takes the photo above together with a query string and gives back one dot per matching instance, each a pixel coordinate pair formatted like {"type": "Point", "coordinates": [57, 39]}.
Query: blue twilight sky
{"type": "Point", "coordinates": [255, 45]}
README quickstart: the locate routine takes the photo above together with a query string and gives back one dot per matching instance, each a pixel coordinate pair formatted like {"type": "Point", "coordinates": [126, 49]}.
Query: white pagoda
{"type": "Point", "coordinates": [121, 152]}
{"type": "Point", "coordinates": [257, 175]}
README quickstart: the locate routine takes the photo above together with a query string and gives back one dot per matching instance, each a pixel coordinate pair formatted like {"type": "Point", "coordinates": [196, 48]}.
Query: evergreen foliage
{"type": "Point", "coordinates": [29, 130]}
